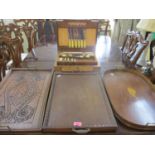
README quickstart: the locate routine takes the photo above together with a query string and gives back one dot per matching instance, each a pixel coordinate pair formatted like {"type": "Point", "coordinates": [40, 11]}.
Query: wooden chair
{"type": "Point", "coordinates": [41, 31]}
{"type": "Point", "coordinates": [29, 23]}
{"type": "Point", "coordinates": [6, 31]}
{"type": "Point", "coordinates": [5, 53]}
{"type": "Point", "coordinates": [33, 23]}
{"type": "Point", "coordinates": [152, 54]}
{"type": "Point", "coordinates": [15, 49]}
{"type": "Point", "coordinates": [1, 25]}
{"type": "Point", "coordinates": [29, 27]}
{"type": "Point", "coordinates": [10, 51]}
{"type": "Point", "coordinates": [1, 22]}
{"type": "Point", "coordinates": [141, 45]}
{"type": "Point", "coordinates": [13, 31]}
{"type": "Point", "coordinates": [132, 48]}
{"type": "Point", "coordinates": [16, 30]}
{"type": "Point", "coordinates": [26, 22]}
{"type": "Point", "coordinates": [2, 69]}
{"type": "Point", "coordinates": [2, 63]}
{"type": "Point", "coordinates": [129, 45]}
{"type": "Point", "coordinates": [30, 34]}
{"type": "Point", "coordinates": [104, 27]}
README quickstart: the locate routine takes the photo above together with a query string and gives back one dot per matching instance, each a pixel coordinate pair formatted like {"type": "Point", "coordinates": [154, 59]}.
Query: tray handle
{"type": "Point", "coordinates": [5, 128]}
{"type": "Point", "coordinates": [81, 130]}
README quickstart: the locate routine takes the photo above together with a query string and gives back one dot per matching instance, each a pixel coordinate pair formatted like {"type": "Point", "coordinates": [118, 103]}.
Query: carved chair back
{"type": "Point", "coordinates": [30, 35]}
{"type": "Point", "coordinates": [29, 23]}
{"type": "Point", "coordinates": [129, 44]}
{"type": "Point", "coordinates": [5, 53]}
{"type": "Point", "coordinates": [13, 31]}
{"type": "Point", "coordinates": [132, 48]}
{"type": "Point", "coordinates": [15, 49]}
{"type": "Point", "coordinates": [1, 27]}
{"type": "Point", "coordinates": [10, 49]}
{"type": "Point", "coordinates": [41, 30]}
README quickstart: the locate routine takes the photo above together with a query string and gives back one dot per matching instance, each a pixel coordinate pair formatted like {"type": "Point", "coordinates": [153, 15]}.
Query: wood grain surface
{"type": "Point", "coordinates": [78, 103]}
{"type": "Point", "coordinates": [23, 96]}
{"type": "Point", "coordinates": [132, 97]}
{"type": "Point", "coordinates": [38, 65]}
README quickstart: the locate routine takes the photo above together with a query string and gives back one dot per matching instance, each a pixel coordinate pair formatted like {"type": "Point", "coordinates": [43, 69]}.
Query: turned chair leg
{"type": "Point", "coordinates": [34, 54]}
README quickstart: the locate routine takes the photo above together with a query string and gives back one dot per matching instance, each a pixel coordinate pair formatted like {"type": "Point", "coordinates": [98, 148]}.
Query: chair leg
{"type": "Point", "coordinates": [34, 54]}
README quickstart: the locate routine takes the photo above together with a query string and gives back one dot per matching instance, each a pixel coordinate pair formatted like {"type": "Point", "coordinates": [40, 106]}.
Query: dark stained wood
{"type": "Point", "coordinates": [132, 48]}
{"type": "Point", "coordinates": [78, 103]}
{"type": "Point", "coordinates": [25, 22]}
{"type": "Point", "coordinates": [29, 23]}
{"type": "Point", "coordinates": [23, 96]}
{"type": "Point", "coordinates": [12, 31]}
{"type": "Point", "coordinates": [136, 55]}
{"type": "Point", "coordinates": [17, 34]}
{"type": "Point", "coordinates": [41, 31]}
{"type": "Point", "coordinates": [132, 97]}
{"type": "Point", "coordinates": [152, 45]}
{"type": "Point", "coordinates": [2, 69]}
{"type": "Point", "coordinates": [30, 33]}
{"type": "Point", "coordinates": [5, 52]}
{"type": "Point", "coordinates": [130, 39]}
{"type": "Point", "coordinates": [10, 49]}
{"type": "Point", "coordinates": [6, 31]}
{"type": "Point", "coordinates": [15, 49]}
{"type": "Point", "coordinates": [30, 28]}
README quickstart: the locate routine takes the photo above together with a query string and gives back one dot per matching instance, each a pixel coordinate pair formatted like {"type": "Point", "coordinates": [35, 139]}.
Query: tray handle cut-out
{"type": "Point", "coordinates": [81, 130]}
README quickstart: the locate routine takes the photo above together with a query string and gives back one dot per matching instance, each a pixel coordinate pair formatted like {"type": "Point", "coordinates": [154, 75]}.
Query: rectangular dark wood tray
{"type": "Point", "coordinates": [78, 103]}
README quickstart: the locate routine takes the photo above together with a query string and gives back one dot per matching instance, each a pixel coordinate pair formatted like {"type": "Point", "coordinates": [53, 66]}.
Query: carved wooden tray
{"type": "Point", "coordinates": [132, 97]}
{"type": "Point", "coordinates": [23, 96]}
{"type": "Point", "coordinates": [78, 103]}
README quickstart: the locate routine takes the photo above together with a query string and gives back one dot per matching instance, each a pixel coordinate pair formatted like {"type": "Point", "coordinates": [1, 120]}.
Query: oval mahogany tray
{"type": "Point", "coordinates": [132, 97]}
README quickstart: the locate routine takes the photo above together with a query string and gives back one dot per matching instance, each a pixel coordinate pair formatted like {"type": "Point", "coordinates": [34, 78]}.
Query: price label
{"type": "Point", "coordinates": [77, 124]}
